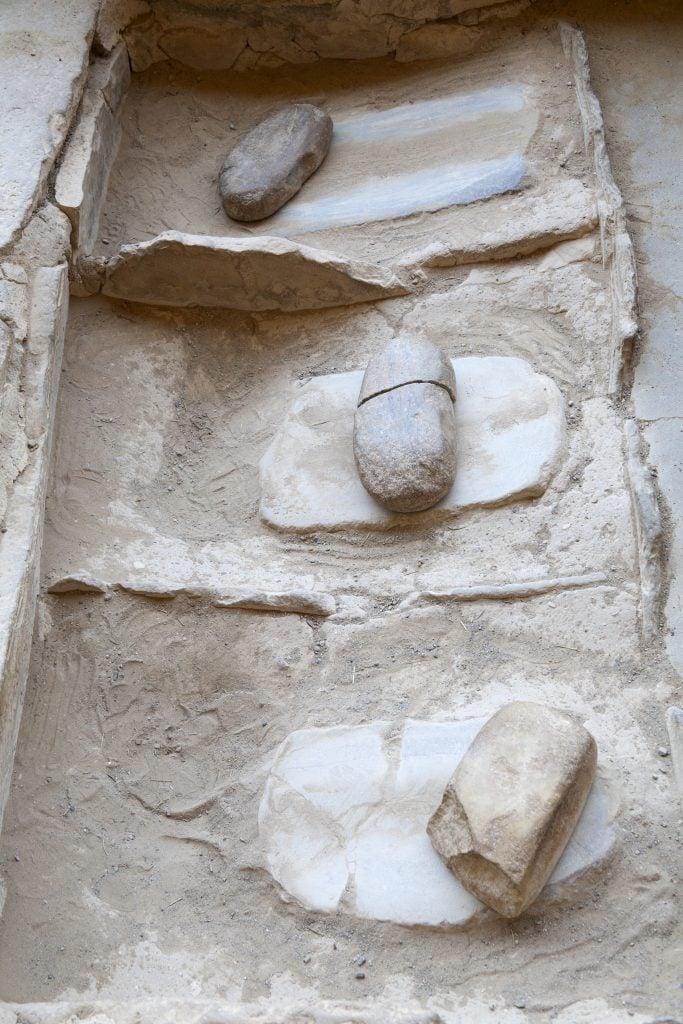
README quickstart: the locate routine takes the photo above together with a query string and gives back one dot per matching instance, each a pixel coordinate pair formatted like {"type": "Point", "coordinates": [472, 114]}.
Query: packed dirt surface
{"type": "Point", "coordinates": [130, 851]}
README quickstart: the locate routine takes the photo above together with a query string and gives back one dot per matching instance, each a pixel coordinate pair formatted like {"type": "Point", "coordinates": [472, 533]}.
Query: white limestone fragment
{"type": "Point", "coordinates": [77, 582]}
{"type": "Point", "coordinates": [158, 589]}
{"type": "Point", "coordinates": [510, 429]}
{"type": "Point", "coordinates": [303, 602]}
{"type": "Point", "coordinates": [516, 591]}
{"type": "Point", "coordinates": [328, 776]}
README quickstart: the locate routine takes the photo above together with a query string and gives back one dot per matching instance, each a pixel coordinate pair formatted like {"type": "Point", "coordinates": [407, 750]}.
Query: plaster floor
{"type": "Point", "coordinates": [130, 853]}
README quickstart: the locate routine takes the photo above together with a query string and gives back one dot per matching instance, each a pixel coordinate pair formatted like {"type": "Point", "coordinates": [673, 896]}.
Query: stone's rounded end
{"type": "Point", "coordinates": [247, 206]}
{"type": "Point", "coordinates": [271, 163]}
{"type": "Point", "coordinates": [404, 446]}
{"type": "Point", "coordinates": [407, 359]}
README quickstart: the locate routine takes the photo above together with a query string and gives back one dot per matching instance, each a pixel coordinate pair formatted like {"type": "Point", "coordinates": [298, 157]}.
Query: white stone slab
{"type": "Point", "coordinates": [344, 814]}
{"type": "Point", "coordinates": [510, 430]}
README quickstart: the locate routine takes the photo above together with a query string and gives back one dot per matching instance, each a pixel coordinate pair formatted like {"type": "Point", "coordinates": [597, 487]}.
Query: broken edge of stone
{"type": "Point", "coordinates": [512, 591]}
{"type": "Point", "coordinates": [300, 602]}
{"type": "Point", "coordinates": [264, 273]}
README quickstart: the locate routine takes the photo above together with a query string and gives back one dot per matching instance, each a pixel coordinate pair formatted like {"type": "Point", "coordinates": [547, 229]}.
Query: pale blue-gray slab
{"type": "Point", "coordinates": [413, 119]}
{"type": "Point", "coordinates": [396, 195]}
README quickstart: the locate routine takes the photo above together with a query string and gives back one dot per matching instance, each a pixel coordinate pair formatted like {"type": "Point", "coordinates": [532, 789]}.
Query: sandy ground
{"type": "Point", "coordinates": [130, 850]}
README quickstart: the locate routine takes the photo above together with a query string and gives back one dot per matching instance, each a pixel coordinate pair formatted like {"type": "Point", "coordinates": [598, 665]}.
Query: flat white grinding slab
{"type": "Point", "coordinates": [509, 434]}
{"type": "Point", "coordinates": [344, 814]}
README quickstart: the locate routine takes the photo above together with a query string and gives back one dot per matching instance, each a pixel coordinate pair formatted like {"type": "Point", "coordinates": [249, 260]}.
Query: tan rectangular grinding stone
{"type": "Point", "coordinates": [512, 804]}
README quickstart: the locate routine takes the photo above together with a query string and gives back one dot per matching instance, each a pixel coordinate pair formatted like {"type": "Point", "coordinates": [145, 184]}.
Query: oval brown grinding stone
{"type": "Point", "coordinates": [513, 802]}
{"type": "Point", "coordinates": [271, 163]}
{"type": "Point", "coordinates": [404, 431]}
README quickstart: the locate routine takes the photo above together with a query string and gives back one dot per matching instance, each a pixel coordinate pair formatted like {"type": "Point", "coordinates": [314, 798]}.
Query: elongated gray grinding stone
{"type": "Point", "coordinates": [272, 162]}
{"type": "Point", "coordinates": [512, 804]}
{"type": "Point", "coordinates": [404, 431]}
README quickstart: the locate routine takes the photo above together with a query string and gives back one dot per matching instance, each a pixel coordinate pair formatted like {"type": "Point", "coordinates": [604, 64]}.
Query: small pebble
{"type": "Point", "coordinates": [360, 960]}
{"type": "Point", "coordinates": [307, 958]}
{"type": "Point", "coordinates": [360, 975]}
{"type": "Point", "coordinates": [663, 751]}
{"type": "Point", "coordinates": [520, 1004]}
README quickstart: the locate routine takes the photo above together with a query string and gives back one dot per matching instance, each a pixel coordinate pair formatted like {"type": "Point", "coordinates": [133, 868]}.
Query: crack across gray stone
{"type": "Point", "coordinates": [404, 429]}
